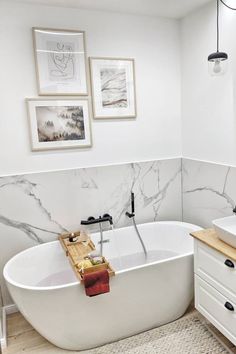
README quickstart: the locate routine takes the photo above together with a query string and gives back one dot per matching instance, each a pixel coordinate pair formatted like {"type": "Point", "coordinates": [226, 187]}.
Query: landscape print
{"type": "Point", "coordinates": [113, 87]}
{"type": "Point", "coordinates": [57, 123]}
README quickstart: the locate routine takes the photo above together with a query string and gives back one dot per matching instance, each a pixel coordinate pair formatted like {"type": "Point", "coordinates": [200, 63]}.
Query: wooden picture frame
{"type": "Point", "coordinates": [59, 123]}
{"type": "Point", "coordinates": [113, 87]}
{"type": "Point", "coordinates": [61, 61]}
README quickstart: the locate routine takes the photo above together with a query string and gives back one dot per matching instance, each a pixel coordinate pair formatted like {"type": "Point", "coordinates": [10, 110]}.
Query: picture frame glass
{"type": "Point", "coordinates": [113, 87]}
{"type": "Point", "coordinates": [59, 124]}
{"type": "Point", "coordinates": [60, 62]}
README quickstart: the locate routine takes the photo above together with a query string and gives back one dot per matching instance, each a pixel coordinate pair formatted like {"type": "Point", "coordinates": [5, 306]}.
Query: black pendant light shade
{"type": "Point", "coordinates": [221, 56]}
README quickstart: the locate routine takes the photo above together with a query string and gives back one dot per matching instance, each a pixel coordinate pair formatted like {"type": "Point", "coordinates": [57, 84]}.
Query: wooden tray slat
{"type": "Point", "coordinates": [77, 251]}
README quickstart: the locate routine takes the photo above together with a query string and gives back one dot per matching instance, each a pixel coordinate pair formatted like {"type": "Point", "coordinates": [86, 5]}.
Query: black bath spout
{"type": "Point", "coordinates": [132, 203]}
{"type": "Point", "coordinates": [91, 220]}
{"type": "Point", "coordinates": [132, 214]}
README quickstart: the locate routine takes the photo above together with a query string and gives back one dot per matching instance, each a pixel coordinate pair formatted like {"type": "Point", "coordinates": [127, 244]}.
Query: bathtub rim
{"type": "Point", "coordinates": [57, 287]}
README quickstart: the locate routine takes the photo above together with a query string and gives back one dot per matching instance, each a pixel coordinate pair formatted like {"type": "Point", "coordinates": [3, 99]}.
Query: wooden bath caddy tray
{"type": "Point", "coordinates": [77, 251]}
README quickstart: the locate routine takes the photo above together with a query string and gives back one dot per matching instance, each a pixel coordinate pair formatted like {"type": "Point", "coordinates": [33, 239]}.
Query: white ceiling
{"type": "Point", "coordinates": [166, 8]}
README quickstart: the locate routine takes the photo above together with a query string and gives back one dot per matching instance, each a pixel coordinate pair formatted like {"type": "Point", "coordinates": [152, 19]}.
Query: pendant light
{"type": "Point", "coordinates": [217, 62]}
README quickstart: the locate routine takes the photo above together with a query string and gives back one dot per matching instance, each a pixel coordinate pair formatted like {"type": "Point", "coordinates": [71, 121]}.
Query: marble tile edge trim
{"type": "Point", "coordinates": [117, 164]}
{"type": "Point", "coordinates": [208, 162]}
{"type": "Point", "coordinates": [88, 167]}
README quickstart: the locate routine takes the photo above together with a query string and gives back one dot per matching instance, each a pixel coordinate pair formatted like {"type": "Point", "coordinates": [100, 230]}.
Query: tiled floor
{"type": "Point", "coordinates": [22, 338]}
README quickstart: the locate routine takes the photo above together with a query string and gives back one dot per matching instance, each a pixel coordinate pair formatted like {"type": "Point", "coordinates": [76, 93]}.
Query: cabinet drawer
{"type": "Point", "coordinates": [215, 268]}
{"type": "Point", "coordinates": [212, 304]}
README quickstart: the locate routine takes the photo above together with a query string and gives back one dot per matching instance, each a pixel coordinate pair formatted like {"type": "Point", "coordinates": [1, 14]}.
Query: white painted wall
{"type": "Point", "coordinates": [208, 108]}
{"type": "Point", "coordinates": [154, 43]}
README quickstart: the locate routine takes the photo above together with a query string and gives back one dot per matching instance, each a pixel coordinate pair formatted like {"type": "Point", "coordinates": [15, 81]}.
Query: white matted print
{"type": "Point", "coordinates": [60, 61]}
{"type": "Point", "coordinates": [58, 124]}
{"type": "Point", "coordinates": [113, 87]}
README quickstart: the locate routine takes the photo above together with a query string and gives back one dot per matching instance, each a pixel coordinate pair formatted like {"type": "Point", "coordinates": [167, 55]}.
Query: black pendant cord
{"type": "Point", "coordinates": [229, 7]}
{"type": "Point", "coordinates": [218, 56]}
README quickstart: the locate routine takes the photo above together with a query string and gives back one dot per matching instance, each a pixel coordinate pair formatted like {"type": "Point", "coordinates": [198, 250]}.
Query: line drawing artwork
{"type": "Point", "coordinates": [61, 61]}
{"type": "Point", "coordinates": [114, 88]}
{"type": "Point", "coordinates": [60, 123]}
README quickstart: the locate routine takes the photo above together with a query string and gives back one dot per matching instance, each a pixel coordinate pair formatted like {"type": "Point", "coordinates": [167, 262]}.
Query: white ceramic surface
{"type": "Point", "coordinates": [226, 229]}
{"type": "Point", "coordinates": [47, 293]}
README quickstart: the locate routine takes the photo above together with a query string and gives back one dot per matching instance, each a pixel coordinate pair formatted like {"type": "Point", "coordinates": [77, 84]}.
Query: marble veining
{"type": "Point", "coordinates": [36, 208]}
{"type": "Point", "coordinates": [150, 183]}
{"type": "Point", "coordinates": [29, 188]}
{"type": "Point", "coordinates": [87, 180]}
{"type": "Point", "coordinates": [222, 193]}
{"type": "Point", "coordinates": [209, 191]}
{"type": "Point", "coordinates": [157, 198]}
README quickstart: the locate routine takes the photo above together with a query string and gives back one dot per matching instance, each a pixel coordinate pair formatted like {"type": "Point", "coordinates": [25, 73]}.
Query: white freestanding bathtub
{"type": "Point", "coordinates": [145, 293]}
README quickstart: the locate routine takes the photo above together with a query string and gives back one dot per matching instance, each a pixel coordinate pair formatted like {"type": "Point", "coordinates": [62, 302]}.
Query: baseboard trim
{"type": "Point", "coordinates": [6, 310]}
{"type": "Point", "coordinates": [9, 309]}
{"type": "Point", "coordinates": [3, 339]}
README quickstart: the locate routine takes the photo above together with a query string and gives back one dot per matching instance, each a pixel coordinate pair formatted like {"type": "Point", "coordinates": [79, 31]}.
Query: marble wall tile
{"type": "Point", "coordinates": [209, 191]}
{"type": "Point", "coordinates": [35, 208]}
{"type": "Point", "coordinates": [156, 185]}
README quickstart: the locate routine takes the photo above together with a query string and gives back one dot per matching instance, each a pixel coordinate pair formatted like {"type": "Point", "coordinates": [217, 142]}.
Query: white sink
{"type": "Point", "coordinates": [226, 229]}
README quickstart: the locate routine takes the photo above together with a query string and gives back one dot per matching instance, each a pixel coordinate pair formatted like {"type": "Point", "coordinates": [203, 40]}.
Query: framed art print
{"type": "Point", "coordinates": [113, 87]}
{"type": "Point", "coordinates": [59, 124]}
{"type": "Point", "coordinates": [60, 58]}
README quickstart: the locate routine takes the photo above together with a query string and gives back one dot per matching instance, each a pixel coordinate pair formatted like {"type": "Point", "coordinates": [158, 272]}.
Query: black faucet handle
{"type": "Point", "coordinates": [89, 221]}
{"type": "Point", "coordinates": [108, 217]}
{"type": "Point", "coordinates": [234, 210]}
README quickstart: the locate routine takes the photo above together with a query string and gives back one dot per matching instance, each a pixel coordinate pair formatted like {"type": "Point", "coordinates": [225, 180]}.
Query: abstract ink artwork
{"type": "Point", "coordinates": [60, 61]}
{"type": "Point", "coordinates": [59, 123]}
{"type": "Point", "coordinates": [113, 87]}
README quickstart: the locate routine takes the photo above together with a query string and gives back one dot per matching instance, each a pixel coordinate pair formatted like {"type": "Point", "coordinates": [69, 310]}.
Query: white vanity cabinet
{"type": "Point", "coordinates": [215, 284]}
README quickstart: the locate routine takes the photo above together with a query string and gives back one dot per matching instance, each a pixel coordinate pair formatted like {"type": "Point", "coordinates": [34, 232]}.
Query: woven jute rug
{"type": "Point", "coordinates": [186, 335]}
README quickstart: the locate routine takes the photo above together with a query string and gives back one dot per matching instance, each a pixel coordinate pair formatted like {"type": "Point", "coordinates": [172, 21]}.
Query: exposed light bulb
{"type": "Point", "coordinates": [217, 67]}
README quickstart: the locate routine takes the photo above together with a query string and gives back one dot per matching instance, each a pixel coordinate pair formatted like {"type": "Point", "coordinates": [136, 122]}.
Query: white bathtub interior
{"type": "Point", "coordinates": [123, 250]}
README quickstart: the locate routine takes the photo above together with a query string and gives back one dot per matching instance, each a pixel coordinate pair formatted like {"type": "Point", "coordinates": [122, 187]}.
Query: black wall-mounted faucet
{"type": "Point", "coordinates": [234, 210]}
{"type": "Point", "coordinates": [132, 214]}
{"type": "Point", "coordinates": [91, 220]}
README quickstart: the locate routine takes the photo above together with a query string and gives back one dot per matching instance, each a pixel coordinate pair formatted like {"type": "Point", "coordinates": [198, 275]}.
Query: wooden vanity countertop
{"type": "Point", "coordinates": [210, 238]}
